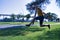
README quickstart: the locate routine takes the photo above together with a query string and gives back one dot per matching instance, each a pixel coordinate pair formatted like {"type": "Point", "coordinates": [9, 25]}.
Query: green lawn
{"type": "Point", "coordinates": [30, 33]}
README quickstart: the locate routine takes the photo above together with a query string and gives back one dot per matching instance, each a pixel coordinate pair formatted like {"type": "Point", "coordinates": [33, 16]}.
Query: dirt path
{"type": "Point", "coordinates": [11, 26]}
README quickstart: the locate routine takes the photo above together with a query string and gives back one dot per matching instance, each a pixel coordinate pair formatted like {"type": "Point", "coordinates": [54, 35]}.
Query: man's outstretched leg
{"type": "Point", "coordinates": [32, 22]}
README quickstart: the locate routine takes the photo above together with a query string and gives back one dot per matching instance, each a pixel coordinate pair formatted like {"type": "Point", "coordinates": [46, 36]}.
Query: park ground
{"type": "Point", "coordinates": [30, 33]}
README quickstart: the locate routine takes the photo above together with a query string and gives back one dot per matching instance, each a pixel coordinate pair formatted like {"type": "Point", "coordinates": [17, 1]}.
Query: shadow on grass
{"type": "Point", "coordinates": [50, 35]}
{"type": "Point", "coordinates": [18, 30]}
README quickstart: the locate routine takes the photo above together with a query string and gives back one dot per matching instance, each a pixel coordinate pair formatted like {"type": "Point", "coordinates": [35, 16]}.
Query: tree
{"type": "Point", "coordinates": [50, 16]}
{"type": "Point", "coordinates": [36, 2]}
{"type": "Point", "coordinates": [7, 20]}
{"type": "Point", "coordinates": [27, 16]}
{"type": "Point", "coordinates": [18, 16]}
{"type": "Point", "coordinates": [13, 17]}
{"type": "Point", "coordinates": [58, 19]}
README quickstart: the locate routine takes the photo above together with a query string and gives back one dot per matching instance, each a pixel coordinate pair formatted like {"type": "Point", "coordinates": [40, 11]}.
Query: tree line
{"type": "Point", "coordinates": [21, 18]}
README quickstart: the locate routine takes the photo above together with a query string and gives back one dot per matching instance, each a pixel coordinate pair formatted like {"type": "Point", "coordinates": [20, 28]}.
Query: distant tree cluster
{"type": "Point", "coordinates": [17, 18]}
{"type": "Point", "coordinates": [20, 18]}
{"type": "Point", "coordinates": [50, 16]}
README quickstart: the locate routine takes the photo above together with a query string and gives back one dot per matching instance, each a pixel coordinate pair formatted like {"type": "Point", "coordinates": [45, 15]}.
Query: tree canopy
{"type": "Point", "coordinates": [36, 2]}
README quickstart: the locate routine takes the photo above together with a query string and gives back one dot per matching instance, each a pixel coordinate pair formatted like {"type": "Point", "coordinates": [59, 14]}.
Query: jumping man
{"type": "Point", "coordinates": [40, 17]}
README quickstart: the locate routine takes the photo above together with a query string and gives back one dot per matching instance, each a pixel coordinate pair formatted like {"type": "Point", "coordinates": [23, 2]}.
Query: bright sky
{"type": "Point", "coordinates": [18, 7]}
{"type": "Point", "coordinates": [13, 6]}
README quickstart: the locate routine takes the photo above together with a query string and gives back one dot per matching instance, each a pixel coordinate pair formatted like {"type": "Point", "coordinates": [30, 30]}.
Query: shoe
{"type": "Point", "coordinates": [49, 26]}
{"type": "Point", "coordinates": [27, 25]}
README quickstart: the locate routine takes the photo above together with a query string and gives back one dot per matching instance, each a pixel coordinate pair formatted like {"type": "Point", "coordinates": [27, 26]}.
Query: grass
{"type": "Point", "coordinates": [3, 23]}
{"type": "Point", "coordinates": [30, 33]}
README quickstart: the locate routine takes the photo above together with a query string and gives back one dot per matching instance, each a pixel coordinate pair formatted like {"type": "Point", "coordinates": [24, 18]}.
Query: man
{"type": "Point", "coordinates": [40, 17]}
